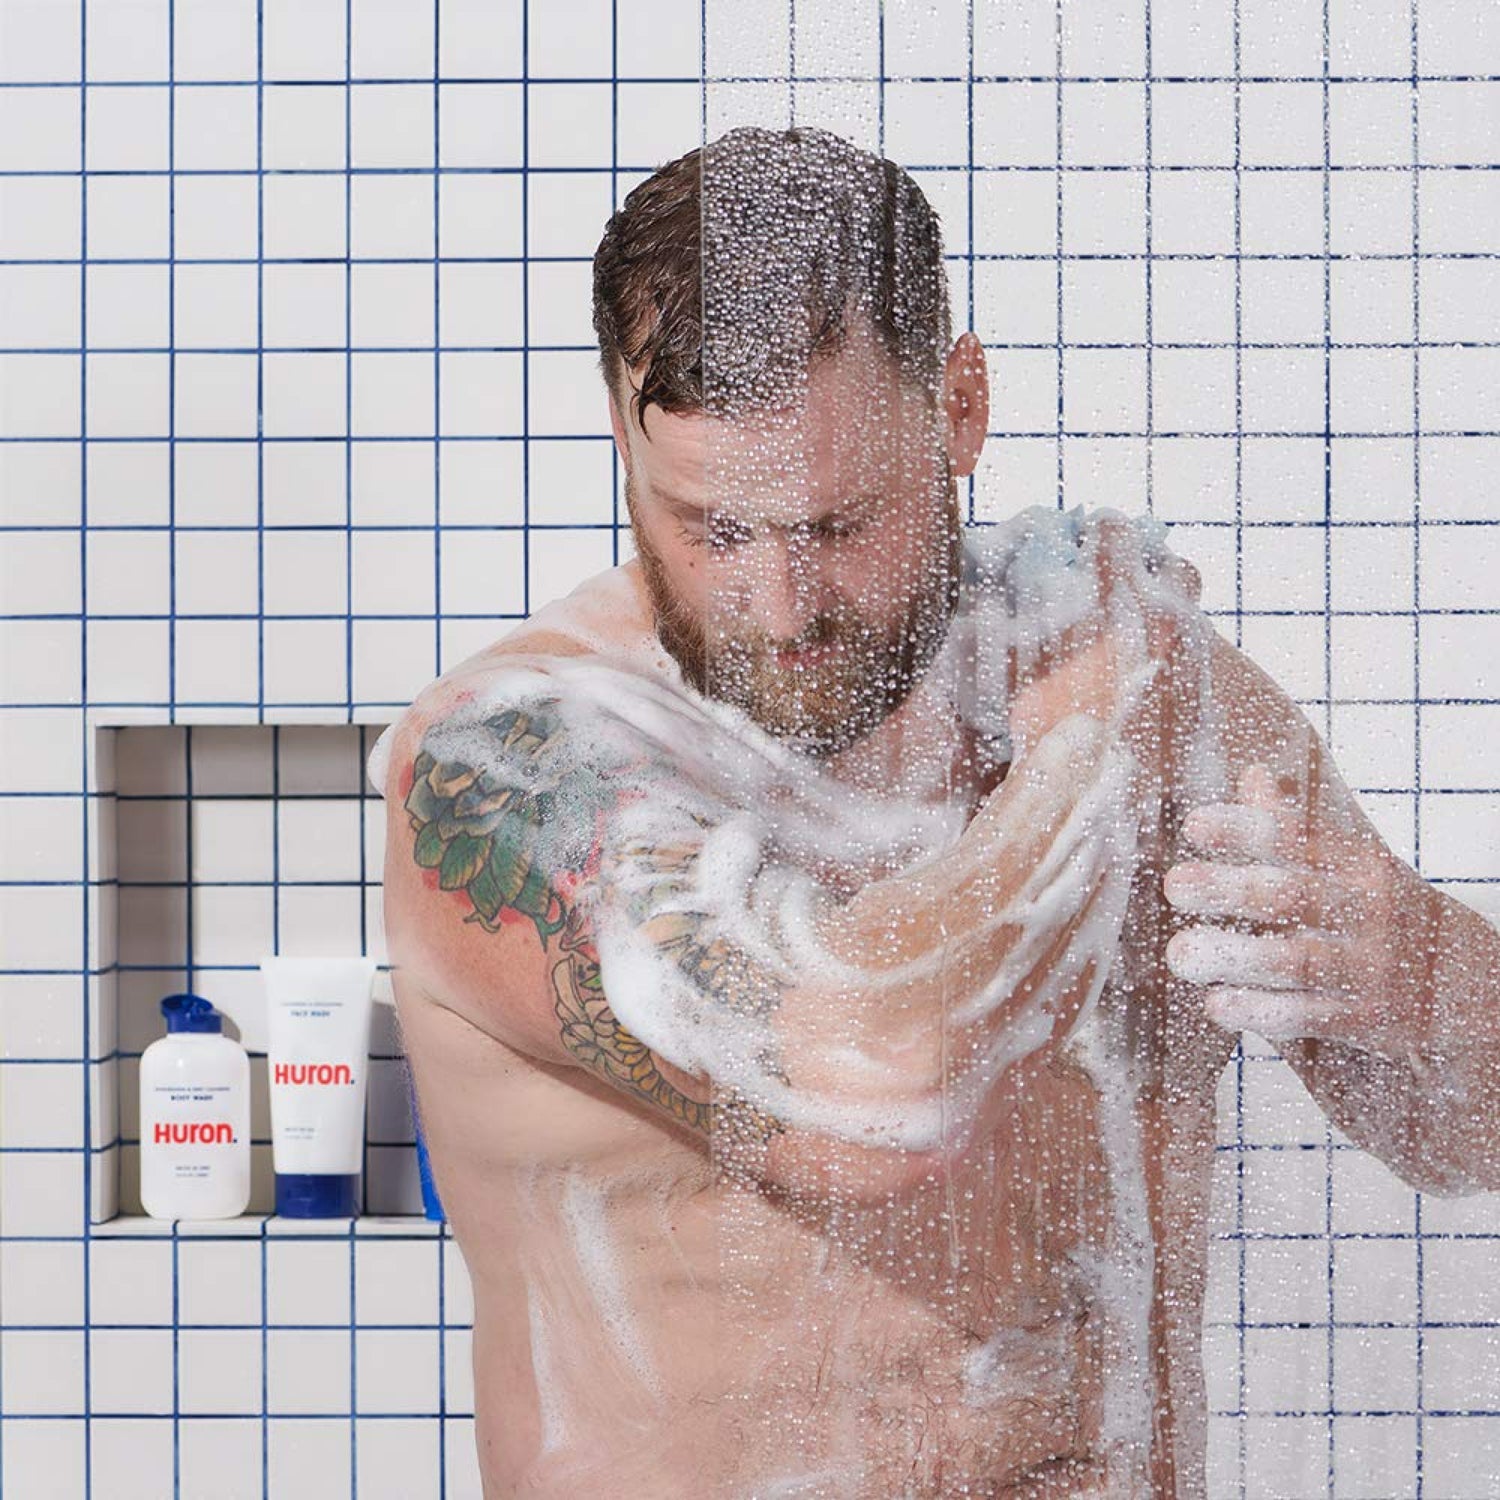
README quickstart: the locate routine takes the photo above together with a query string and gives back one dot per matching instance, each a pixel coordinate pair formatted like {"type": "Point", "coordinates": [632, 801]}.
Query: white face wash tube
{"type": "Point", "coordinates": [317, 1056]}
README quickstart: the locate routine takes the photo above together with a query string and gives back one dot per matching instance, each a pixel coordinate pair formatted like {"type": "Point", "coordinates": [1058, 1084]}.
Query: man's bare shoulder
{"type": "Point", "coordinates": [476, 673]}
{"type": "Point", "coordinates": [392, 758]}
{"type": "Point", "coordinates": [475, 894]}
{"type": "Point", "coordinates": [496, 798]}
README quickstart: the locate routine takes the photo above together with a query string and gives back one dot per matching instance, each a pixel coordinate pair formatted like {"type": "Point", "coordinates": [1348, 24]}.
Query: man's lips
{"type": "Point", "coordinates": [808, 656]}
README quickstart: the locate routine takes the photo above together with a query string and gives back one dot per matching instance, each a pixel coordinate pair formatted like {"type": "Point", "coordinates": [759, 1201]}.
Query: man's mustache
{"type": "Point", "coordinates": [824, 631]}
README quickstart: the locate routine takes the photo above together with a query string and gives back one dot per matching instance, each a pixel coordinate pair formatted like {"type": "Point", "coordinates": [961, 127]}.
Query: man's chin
{"type": "Point", "coordinates": [819, 738]}
{"type": "Point", "coordinates": [817, 718]}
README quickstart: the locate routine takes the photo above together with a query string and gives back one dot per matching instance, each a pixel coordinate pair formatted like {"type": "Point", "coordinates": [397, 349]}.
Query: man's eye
{"type": "Point", "coordinates": [830, 531]}
{"type": "Point", "coordinates": [723, 533]}
{"type": "Point", "coordinates": [718, 535]}
{"type": "Point", "coordinates": [839, 530]}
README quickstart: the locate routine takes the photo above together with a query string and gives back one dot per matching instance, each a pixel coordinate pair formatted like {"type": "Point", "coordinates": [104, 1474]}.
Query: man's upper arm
{"type": "Point", "coordinates": [1255, 719]}
{"type": "Point", "coordinates": [484, 903]}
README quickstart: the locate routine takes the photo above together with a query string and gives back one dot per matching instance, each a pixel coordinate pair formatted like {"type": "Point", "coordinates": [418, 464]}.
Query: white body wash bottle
{"type": "Point", "coordinates": [195, 1117]}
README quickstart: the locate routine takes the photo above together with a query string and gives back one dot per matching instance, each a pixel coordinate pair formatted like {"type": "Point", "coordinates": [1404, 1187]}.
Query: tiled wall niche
{"type": "Point", "coordinates": [212, 846]}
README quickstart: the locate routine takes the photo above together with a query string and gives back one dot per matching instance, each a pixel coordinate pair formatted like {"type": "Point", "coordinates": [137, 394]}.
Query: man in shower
{"type": "Point", "coordinates": [817, 941]}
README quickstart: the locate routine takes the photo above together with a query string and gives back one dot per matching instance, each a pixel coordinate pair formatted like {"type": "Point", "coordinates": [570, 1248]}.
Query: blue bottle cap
{"type": "Point", "coordinates": [313, 1195]}
{"type": "Point", "coordinates": [432, 1205]}
{"type": "Point", "coordinates": [191, 1013]}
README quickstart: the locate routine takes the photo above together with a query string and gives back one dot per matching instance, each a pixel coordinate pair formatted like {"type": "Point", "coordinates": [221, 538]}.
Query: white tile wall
{"type": "Point", "coordinates": [254, 495]}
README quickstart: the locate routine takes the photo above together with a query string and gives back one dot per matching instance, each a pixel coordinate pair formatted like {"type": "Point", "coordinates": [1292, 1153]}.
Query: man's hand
{"type": "Point", "coordinates": [1337, 951]}
{"type": "Point", "coordinates": [1336, 941]}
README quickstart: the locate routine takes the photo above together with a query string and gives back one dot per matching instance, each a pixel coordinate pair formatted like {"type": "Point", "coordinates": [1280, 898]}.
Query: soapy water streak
{"type": "Point", "coordinates": [695, 821]}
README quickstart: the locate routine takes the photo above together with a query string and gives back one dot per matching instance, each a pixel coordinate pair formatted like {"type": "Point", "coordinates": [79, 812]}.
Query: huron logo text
{"type": "Point", "coordinates": [192, 1133]}
{"type": "Point", "coordinates": [312, 1073]}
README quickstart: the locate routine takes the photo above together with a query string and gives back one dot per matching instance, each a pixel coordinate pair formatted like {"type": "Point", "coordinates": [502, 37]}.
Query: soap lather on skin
{"type": "Point", "coordinates": [706, 815]}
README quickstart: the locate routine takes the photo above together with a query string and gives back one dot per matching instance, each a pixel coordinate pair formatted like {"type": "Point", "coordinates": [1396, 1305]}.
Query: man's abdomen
{"type": "Point", "coordinates": [641, 1328]}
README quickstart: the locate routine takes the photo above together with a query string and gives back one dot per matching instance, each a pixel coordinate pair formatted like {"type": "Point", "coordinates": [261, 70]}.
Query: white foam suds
{"type": "Point", "coordinates": [583, 1211]}
{"type": "Point", "coordinates": [669, 770]}
{"type": "Point", "coordinates": [545, 1373]}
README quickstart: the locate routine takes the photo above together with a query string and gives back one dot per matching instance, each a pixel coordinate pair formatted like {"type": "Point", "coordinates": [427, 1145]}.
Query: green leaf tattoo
{"type": "Point", "coordinates": [481, 835]}
{"type": "Point", "coordinates": [492, 831]}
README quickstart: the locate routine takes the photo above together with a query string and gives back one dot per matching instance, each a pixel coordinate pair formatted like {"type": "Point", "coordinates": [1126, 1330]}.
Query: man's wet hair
{"type": "Point", "coordinates": [731, 269]}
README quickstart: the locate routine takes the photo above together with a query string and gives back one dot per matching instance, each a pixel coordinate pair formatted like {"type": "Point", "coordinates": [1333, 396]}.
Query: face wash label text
{"type": "Point", "coordinates": [314, 1073]}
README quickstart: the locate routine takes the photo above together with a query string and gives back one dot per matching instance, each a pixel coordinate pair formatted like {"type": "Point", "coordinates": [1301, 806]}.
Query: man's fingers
{"type": "Point", "coordinates": [1126, 558]}
{"type": "Point", "coordinates": [1231, 828]}
{"type": "Point", "coordinates": [1282, 1015]}
{"type": "Point", "coordinates": [1123, 550]}
{"type": "Point", "coordinates": [1259, 893]}
{"type": "Point", "coordinates": [1213, 955]}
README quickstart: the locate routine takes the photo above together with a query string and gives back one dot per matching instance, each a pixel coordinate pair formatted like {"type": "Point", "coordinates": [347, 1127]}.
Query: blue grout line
{"type": "Point", "coordinates": [260, 386]}
{"type": "Point", "coordinates": [349, 376]}
{"type": "Point", "coordinates": [90, 758]}
{"type": "Point", "coordinates": [171, 410]}
{"type": "Point", "coordinates": [970, 319]}
{"type": "Point", "coordinates": [1150, 280]}
{"type": "Point", "coordinates": [437, 362]}
{"type": "Point", "coordinates": [525, 438]}
{"type": "Point", "coordinates": [614, 204]}
{"type": "Point", "coordinates": [1416, 646]}
{"type": "Point", "coordinates": [558, 80]}
{"type": "Point", "coordinates": [791, 63]}
{"type": "Point", "coordinates": [1060, 330]}
{"type": "Point", "coordinates": [265, 1345]}
{"type": "Point", "coordinates": [1239, 363]}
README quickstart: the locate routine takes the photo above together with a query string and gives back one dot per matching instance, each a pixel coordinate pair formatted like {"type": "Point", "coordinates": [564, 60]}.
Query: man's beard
{"type": "Point", "coordinates": [821, 707]}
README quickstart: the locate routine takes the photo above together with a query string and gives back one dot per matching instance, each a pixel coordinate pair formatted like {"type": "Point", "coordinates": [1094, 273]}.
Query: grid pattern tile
{"type": "Point", "coordinates": [298, 408]}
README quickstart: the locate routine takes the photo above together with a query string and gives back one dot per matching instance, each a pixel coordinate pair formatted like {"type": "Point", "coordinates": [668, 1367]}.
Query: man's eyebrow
{"type": "Point", "coordinates": [676, 502]}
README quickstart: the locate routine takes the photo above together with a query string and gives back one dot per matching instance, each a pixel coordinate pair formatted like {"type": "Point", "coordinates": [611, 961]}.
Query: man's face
{"type": "Point", "coordinates": [802, 564]}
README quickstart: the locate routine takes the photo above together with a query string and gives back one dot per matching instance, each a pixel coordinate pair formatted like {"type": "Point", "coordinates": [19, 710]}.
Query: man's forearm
{"type": "Point", "coordinates": [1434, 1117]}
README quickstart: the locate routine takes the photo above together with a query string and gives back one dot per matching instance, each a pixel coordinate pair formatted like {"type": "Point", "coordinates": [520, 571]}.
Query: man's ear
{"type": "Point", "coordinates": [966, 402]}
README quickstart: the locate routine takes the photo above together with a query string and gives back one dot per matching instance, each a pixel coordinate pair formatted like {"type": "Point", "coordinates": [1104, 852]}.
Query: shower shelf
{"type": "Point", "coordinates": [255, 1226]}
{"type": "Point", "coordinates": [211, 845]}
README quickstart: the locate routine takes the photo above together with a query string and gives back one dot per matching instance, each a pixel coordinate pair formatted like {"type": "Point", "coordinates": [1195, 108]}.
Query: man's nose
{"type": "Point", "coordinates": [779, 586]}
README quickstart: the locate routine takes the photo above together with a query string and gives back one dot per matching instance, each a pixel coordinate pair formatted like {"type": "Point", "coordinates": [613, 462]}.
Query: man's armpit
{"type": "Point", "coordinates": [484, 823]}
